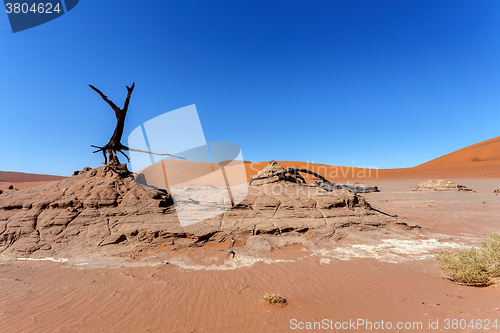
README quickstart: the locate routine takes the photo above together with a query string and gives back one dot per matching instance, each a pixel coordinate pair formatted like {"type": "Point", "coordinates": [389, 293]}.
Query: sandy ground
{"type": "Point", "coordinates": [204, 290]}
{"type": "Point", "coordinates": [49, 297]}
{"type": "Point", "coordinates": [465, 215]}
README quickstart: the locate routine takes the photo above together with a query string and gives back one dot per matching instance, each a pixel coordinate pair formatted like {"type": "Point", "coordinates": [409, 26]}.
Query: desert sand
{"type": "Point", "coordinates": [21, 181]}
{"type": "Point", "coordinates": [372, 268]}
{"type": "Point", "coordinates": [481, 160]}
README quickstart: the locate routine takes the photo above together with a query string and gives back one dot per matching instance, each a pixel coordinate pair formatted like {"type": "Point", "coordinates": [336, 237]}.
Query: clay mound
{"type": "Point", "coordinates": [282, 208]}
{"type": "Point", "coordinates": [440, 185]}
{"type": "Point", "coordinates": [270, 169]}
{"type": "Point", "coordinates": [96, 208]}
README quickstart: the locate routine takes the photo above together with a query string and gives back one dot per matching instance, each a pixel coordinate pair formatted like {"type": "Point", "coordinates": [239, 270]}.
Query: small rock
{"type": "Point", "coordinates": [113, 239]}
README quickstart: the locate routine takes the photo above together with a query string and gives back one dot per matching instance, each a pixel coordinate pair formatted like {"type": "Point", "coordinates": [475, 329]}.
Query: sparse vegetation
{"type": "Point", "coordinates": [478, 266]}
{"type": "Point", "coordinates": [274, 298]}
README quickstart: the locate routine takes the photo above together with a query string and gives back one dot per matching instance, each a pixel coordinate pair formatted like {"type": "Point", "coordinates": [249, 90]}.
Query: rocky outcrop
{"type": "Point", "coordinates": [94, 207]}
{"type": "Point", "coordinates": [440, 185]}
{"type": "Point", "coordinates": [97, 209]}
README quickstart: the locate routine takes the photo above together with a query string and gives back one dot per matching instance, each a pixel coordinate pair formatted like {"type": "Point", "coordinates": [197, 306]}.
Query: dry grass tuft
{"type": "Point", "coordinates": [274, 298]}
{"type": "Point", "coordinates": [477, 266]}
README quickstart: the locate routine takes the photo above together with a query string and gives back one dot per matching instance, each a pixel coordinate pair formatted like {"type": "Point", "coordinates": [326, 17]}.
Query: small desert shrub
{"type": "Point", "coordinates": [474, 266]}
{"type": "Point", "coordinates": [273, 299]}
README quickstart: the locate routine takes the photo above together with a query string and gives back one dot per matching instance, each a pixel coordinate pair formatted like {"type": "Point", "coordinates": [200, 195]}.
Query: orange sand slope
{"type": "Point", "coordinates": [20, 177]}
{"type": "Point", "coordinates": [480, 154]}
{"type": "Point", "coordinates": [23, 181]}
{"type": "Point", "coordinates": [481, 160]}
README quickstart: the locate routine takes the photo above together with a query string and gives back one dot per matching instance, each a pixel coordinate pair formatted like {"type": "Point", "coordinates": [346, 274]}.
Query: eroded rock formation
{"type": "Point", "coordinates": [97, 208]}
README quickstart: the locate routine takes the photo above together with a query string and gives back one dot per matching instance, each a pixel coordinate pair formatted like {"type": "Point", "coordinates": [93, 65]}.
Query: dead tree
{"type": "Point", "coordinates": [114, 143]}
{"type": "Point", "coordinates": [322, 183]}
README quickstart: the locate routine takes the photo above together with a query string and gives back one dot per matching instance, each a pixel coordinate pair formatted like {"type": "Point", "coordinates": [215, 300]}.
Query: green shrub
{"type": "Point", "coordinates": [473, 266]}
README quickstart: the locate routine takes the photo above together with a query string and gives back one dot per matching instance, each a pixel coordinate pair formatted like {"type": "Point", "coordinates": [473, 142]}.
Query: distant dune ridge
{"type": "Point", "coordinates": [481, 160]}
{"type": "Point", "coordinates": [17, 177]}
{"type": "Point", "coordinates": [482, 153]}
{"type": "Point", "coordinates": [21, 181]}
{"type": "Point", "coordinates": [476, 161]}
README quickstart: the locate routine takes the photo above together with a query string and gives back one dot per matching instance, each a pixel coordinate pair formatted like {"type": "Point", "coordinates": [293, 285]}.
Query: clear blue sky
{"type": "Point", "coordinates": [374, 83]}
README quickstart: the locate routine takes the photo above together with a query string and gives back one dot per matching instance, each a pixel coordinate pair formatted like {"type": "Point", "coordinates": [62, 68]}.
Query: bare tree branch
{"type": "Point", "coordinates": [150, 152]}
{"type": "Point", "coordinates": [104, 97]}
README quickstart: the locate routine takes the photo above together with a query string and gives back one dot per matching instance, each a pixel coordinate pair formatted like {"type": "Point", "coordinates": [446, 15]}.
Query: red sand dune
{"type": "Point", "coordinates": [20, 177]}
{"type": "Point", "coordinates": [23, 181]}
{"type": "Point", "coordinates": [479, 154]}
{"type": "Point", "coordinates": [481, 160]}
